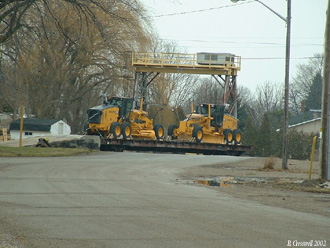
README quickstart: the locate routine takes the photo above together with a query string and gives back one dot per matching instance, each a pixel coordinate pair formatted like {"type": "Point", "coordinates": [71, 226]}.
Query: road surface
{"type": "Point", "coordinates": [137, 200]}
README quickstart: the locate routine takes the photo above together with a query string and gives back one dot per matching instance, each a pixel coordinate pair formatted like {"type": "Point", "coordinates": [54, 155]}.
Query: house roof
{"type": "Point", "coordinates": [305, 122]}
{"type": "Point", "coordinates": [306, 116]}
{"type": "Point", "coordinates": [33, 124]}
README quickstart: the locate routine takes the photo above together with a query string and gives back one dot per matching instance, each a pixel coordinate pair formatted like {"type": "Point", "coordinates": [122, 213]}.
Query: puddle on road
{"type": "Point", "coordinates": [228, 181]}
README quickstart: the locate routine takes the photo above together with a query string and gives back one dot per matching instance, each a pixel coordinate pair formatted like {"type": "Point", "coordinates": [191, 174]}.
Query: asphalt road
{"type": "Point", "coordinates": [137, 200]}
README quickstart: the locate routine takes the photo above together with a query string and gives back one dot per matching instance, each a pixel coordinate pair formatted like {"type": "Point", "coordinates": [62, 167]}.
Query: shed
{"type": "Point", "coordinates": [39, 127]}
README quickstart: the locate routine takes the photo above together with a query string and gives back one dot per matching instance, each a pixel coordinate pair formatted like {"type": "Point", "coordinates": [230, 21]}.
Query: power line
{"type": "Point", "coordinates": [276, 44]}
{"type": "Point", "coordinates": [256, 38]}
{"type": "Point", "coordinates": [230, 42]}
{"type": "Point", "coordinates": [279, 58]}
{"type": "Point", "coordinates": [203, 10]}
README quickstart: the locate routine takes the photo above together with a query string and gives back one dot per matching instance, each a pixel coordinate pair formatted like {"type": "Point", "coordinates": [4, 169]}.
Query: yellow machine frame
{"type": "Point", "coordinates": [142, 126]}
{"type": "Point", "coordinates": [198, 127]}
{"type": "Point", "coordinates": [138, 125]}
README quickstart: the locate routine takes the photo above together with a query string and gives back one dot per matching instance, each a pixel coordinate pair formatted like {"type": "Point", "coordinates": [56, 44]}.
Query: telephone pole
{"type": "Point", "coordinates": [287, 20]}
{"type": "Point", "coordinates": [285, 148]}
{"type": "Point", "coordinates": [324, 154]}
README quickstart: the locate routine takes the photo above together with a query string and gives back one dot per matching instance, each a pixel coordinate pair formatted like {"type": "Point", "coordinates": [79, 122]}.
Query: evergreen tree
{"type": "Point", "coordinates": [244, 99]}
{"type": "Point", "coordinates": [314, 98]}
{"type": "Point", "coordinates": [276, 118]}
{"type": "Point", "coordinates": [242, 114]}
{"type": "Point", "coordinates": [249, 134]}
{"type": "Point", "coordinates": [264, 148]}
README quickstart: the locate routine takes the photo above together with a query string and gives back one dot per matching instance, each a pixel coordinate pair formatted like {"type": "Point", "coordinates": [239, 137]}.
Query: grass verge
{"type": "Point", "coordinates": [41, 151]}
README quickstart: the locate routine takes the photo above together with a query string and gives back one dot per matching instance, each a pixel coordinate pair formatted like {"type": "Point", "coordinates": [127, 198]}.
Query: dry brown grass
{"type": "Point", "coordinates": [41, 151]}
{"type": "Point", "coordinates": [269, 163]}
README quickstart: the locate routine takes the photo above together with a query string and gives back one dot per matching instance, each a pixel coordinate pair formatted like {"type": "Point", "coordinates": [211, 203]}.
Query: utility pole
{"type": "Point", "coordinates": [287, 20]}
{"type": "Point", "coordinates": [285, 148]}
{"type": "Point", "coordinates": [324, 154]}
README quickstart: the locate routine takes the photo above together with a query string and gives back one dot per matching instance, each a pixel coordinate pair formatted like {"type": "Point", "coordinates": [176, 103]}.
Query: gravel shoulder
{"type": "Point", "coordinates": [289, 189]}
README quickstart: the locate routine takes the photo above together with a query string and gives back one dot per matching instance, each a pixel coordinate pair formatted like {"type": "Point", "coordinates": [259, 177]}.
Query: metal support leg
{"type": "Point", "coordinates": [230, 94]}
{"type": "Point", "coordinates": [141, 88]}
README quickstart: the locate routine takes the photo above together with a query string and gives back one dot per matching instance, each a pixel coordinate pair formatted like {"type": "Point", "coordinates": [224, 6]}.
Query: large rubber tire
{"type": "Point", "coordinates": [197, 133]}
{"type": "Point", "coordinates": [126, 130]}
{"type": "Point", "coordinates": [170, 131]}
{"type": "Point", "coordinates": [237, 136]}
{"type": "Point", "coordinates": [115, 129]}
{"type": "Point", "coordinates": [228, 136]}
{"type": "Point", "coordinates": [159, 131]}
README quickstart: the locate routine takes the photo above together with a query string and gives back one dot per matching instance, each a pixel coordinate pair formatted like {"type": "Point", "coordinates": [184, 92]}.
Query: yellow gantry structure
{"type": "Point", "coordinates": [222, 66]}
{"type": "Point", "coordinates": [202, 63]}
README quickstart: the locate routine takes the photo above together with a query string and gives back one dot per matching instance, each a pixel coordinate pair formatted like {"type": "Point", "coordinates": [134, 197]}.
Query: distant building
{"type": "Point", "coordinates": [39, 127]}
{"type": "Point", "coordinates": [307, 122]}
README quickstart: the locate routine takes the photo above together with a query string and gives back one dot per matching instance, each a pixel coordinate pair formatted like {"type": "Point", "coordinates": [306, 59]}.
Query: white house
{"type": "Point", "coordinates": [307, 122]}
{"type": "Point", "coordinates": [38, 127]}
{"type": "Point", "coordinates": [308, 127]}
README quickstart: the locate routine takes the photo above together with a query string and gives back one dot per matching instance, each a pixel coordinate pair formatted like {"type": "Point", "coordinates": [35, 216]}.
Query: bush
{"type": "Point", "coordinates": [270, 163]}
{"type": "Point", "coordinates": [300, 145]}
{"type": "Point", "coordinates": [267, 142]}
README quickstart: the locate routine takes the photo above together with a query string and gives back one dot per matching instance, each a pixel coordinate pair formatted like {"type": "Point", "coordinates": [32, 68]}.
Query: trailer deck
{"type": "Point", "coordinates": [178, 147]}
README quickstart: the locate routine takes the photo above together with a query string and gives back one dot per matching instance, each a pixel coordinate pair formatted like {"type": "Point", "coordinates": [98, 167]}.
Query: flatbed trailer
{"type": "Point", "coordinates": [178, 147]}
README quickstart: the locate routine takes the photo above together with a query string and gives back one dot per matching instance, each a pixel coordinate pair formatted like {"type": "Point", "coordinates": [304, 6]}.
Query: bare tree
{"type": "Point", "coordinates": [13, 12]}
{"type": "Point", "coordinates": [245, 96]}
{"type": "Point", "coordinates": [208, 91]}
{"type": "Point", "coordinates": [65, 61]}
{"type": "Point", "coordinates": [268, 98]}
{"type": "Point", "coordinates": [171, 88]}
{"type": "Point", "coordinates": [244, 105]}
{"type": "Point", "coordinates": [184, 90]}
{"type": "Point", "coordinates": [301, 83]}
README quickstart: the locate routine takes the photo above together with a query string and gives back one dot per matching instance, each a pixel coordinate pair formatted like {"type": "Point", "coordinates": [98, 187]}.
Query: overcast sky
{"type": "Point", "coordinates": [246, 29]}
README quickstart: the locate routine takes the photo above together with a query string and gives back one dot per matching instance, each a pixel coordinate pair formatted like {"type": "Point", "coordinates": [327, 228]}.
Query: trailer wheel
{"type": "Point", "coordinates": [126, 130]}
{"type": "Point", "coordinates": [228, 136]}
{"type": "Point", "coordinates": [170, 131]}
{"type": "Point", "coordinates": [159, 131]}
{"type": "Point", "coordinates": [115, 129]}
{"type": "Point", "coordinates": [198, 133]}
{"type": "Point", "coordinates": [237, 136]}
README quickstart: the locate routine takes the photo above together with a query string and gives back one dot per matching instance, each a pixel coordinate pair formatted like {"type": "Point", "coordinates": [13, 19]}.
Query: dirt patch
{"type": "Point", "coordinates": [289, 189]}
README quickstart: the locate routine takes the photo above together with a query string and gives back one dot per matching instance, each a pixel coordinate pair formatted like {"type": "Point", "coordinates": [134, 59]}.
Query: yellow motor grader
{"type": "Point", "coordinates": [208, 124]}
{"type": "Point", "coordinates": [116, 119]}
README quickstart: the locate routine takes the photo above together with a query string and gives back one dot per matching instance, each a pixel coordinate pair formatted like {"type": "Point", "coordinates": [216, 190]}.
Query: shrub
{"type": "Point", "coordinates": [270, 163]}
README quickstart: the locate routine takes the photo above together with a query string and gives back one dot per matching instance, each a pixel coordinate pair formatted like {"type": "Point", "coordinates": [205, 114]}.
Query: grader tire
{"type": "Point", "coordinates": [198, 133]}
{"type": "Point", "coordinates": [126, 130]}
{"type": "Point", "coordinates": [159, 131]}
{"type": "Point", "coordinates": [228, 136]}
{"type": "Point", "coordinates": [237, 136]}
{"type": "Point", "coordinates": [115, 129]}
{"type": "Point", "coordinates": [170, 131]}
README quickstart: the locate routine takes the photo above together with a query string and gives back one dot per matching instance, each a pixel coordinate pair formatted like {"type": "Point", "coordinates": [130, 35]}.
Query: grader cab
{"type": "Point", "coordinates": [208, 124]}
{"type": "Point", "coordinates": [116, 119]}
